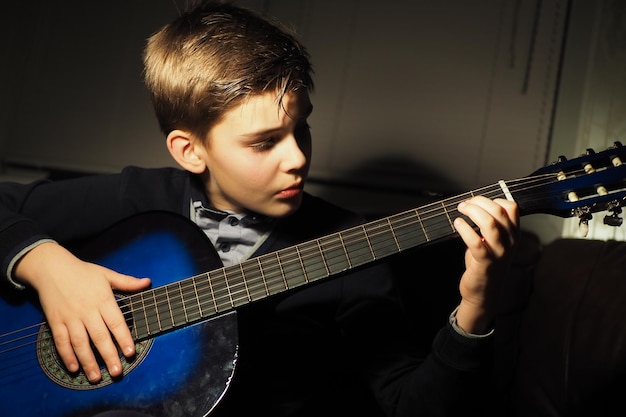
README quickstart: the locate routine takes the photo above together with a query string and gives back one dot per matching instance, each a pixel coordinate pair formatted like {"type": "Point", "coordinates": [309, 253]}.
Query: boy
{"type": "Point", "coordinates": [231, 93]}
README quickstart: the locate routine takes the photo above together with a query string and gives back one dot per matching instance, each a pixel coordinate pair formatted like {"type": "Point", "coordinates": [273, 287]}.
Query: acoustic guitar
{"type": "Point", "coordinates": [185, 326]}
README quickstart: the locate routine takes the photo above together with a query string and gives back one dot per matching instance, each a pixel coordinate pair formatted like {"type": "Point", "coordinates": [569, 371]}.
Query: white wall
{"type": "Point", "coordinates": [412, 96]}
{"type": "Point", "coordinates": [591, 104]}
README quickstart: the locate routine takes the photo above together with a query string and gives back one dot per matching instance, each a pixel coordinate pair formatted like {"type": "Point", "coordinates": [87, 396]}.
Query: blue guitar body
{"type": "Point", "coordinates": [183, 372]}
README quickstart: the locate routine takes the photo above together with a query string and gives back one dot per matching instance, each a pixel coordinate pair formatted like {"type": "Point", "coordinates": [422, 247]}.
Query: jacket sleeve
{"type": "Point", "coordinates": [71, 210]}
{"type": "Point", "coordinates": [18, 232]}
{"type": "Point", "coordinates": [448, 379]}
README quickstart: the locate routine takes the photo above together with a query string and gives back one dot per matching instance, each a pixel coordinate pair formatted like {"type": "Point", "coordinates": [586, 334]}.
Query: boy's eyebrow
{"type": "Point", "coordinates": [305, 115]}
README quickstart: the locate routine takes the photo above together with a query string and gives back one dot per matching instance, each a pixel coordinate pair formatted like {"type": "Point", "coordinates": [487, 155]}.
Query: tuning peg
{"type": "Point", "coordinates": [614, 219]}
{"type": "Point", "coordinates": [616, 160]}
{"type": "Point", "coordinates": [584, 216]}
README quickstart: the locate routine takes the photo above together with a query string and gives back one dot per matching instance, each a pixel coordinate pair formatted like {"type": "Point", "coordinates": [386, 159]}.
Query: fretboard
{"type": "Point", "coordinates": [212, 293]}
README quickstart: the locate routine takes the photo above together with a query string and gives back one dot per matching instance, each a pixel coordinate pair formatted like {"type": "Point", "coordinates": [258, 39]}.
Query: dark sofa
{"type": "Point", "coordinates": [560, 341]}
{"type": "Point", "coordinates": [572, 336]}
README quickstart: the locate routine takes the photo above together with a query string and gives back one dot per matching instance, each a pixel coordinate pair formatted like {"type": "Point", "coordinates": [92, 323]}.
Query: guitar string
{"type": "Point", "coordinates": [302, 255]}
{"type": "Point", "coordinates": [239, 279]}
{"type": "Point", "coordinates": [285, 261]}
{"type": "Point", "coordinates": [424, 213]}
{"type": "Point", "coordinates": [360, 234]}
{"type": "Point", "coordinates": [230, 296]}
{"type": "Point", "coordinates": [238, 289]}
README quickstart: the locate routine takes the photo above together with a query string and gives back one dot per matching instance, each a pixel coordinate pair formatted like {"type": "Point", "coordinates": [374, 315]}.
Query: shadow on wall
{"type": "Point", "coordinates": [384, 186]}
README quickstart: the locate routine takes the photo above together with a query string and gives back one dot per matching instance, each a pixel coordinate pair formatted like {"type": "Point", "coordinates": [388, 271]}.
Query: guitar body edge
{"type": "Point", "coordinates": [184, 372]}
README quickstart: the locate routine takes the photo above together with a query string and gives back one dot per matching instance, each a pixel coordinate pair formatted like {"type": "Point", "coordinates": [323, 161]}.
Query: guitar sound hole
{"type": "Point", "coordinates": [53, 367]}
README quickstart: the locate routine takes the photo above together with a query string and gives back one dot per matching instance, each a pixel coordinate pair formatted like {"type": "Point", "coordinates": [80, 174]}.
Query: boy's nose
{"type": "Point", "coordinates": [294, 157]}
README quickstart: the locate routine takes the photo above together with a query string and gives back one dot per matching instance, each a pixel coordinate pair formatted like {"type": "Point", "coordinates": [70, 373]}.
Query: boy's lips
{"type": "Point", "coordinates": [292, 191]}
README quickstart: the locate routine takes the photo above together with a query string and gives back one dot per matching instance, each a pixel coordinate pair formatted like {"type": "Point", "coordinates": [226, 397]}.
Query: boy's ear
{"type": "Point", "coordinates": [183, 150]}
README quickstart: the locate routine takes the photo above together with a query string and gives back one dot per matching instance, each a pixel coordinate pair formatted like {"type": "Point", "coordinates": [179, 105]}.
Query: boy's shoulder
{"type": "Point", "coordinates": [164, 172]}
{"type": "Point", "coordinates": [154, 177]}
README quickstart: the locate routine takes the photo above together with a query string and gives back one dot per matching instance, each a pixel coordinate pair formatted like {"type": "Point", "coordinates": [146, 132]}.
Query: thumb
{"type": "Point", "coordinates": [127, 283]}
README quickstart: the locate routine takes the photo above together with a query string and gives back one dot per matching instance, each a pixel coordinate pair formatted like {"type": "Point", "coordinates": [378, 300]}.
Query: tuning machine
{"type": "Point", "coordinates": [613, 219]}
{"type": "Point", "coordinates": [584, 215]}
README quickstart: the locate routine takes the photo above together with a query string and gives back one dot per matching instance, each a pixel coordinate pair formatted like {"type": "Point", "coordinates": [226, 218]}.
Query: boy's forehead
{"type": "Point", "coordinates": [269, 106]}
{"type": "Point", "coordinates": [264, 113]}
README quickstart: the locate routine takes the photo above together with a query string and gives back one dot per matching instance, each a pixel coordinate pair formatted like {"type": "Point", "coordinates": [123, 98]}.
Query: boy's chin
{"type": "Point", "coordinates": [286, 207]}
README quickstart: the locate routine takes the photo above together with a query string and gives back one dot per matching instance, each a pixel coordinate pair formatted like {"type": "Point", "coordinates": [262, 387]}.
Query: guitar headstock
{"type": "Point", "coordinates": [593, 182]}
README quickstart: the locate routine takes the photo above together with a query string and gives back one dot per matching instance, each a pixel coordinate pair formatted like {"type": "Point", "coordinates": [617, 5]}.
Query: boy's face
{"type": "Point", "coordinates": [258, 155]}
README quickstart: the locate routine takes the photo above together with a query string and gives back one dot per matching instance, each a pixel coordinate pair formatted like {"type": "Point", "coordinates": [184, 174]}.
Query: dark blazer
{"type": "Point", "coordinates": [340, 347]}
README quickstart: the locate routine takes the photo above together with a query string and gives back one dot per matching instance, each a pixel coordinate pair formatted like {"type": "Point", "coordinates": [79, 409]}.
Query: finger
{"type": "Point", "coordinates": [504, 211]}
{"type": "Point", "coordinates": [64, 347]}
{"type": "Point", "coordinates": [127, 283]}
{"type": "Point", "coordinates": [82, 349]}
{"type": "Point", "coordinates": [114, 317]}
{"type": "Point", "coordinates": [117, 324]}
{"type": "Point", "coordinates": [101, 338]}
{"type": "Point", "coordinates": [474, 241]}
{"type": "Point", "coordinates": [496, 220]}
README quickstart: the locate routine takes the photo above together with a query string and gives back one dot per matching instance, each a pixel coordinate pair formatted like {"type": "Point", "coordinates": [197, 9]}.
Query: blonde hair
{"type": "Point", "coordinates": [211, 58]}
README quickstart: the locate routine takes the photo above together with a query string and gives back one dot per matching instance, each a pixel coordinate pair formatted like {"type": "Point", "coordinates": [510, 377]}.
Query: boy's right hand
{"type": "Point", "coordinates": [80, 307]}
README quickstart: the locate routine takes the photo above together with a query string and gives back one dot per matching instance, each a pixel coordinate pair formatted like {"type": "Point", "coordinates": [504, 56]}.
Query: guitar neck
{"type": "Point", "coordinates": [578, 187]}
{"type": "Point", "coordinates": [219, 291]}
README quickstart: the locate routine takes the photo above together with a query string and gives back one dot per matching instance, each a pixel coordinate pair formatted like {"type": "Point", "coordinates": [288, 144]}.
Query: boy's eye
{"type": "Point", "coordinates": [265, 145]}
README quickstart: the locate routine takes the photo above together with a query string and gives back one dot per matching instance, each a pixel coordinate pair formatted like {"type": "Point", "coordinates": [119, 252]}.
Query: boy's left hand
{"type": "Point", "coordinates": [487, 258]}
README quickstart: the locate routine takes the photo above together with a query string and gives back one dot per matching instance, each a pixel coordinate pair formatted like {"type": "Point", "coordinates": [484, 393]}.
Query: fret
{"type": "Point", "coordinates": [244, 281]}
{"type": "Point", "coordinates": [211, 290]}
{"type": "Point", "coordinates": [304, 273]}
{"type": "Point", "coordinates": [232, 278]}
{"type": "Point", "coordinates": [452, 210]}
{"type": "Point", "coordinates": [345, 252]}
{"type": "Point", "coordinates": [174, 301]}
{"type": "Point", "coordinates": [410, 230]}
{"type": "Point", "coordinates": [263, 278]}
{"type": "Point", "coordinates": [445, 210]}
{"type": "Point", "coordinates": [357, 247]}
{"type": "Point", "coordinates": [162, 307]}
{"type": "Point", "coordinates": [435, 222]}
{"type": "Point", "coordinates": [313, 261]}
{"type": "Point", "coordinates": [253, 280]}
{"type": "Point", "coordinates": [140, 320]}
{"type": "Point", "coordinates": [334, 254]}
{"type": "Point", "coordinates": [422, 225]}
{"type": "Point", "coordinates": [191, 301]}
{"type": "Point", "coordinates": [292, 268]}
{"type": "Point", "coordinates": [221, 291]}
{"type": "Point", "coordinates": [369, 243]}
{"type": "Point", "coordinates": [381, 238]}
{"type": "Point", "coordinates": [282, 273]}
{"type": "Point", "coordinates": [181, 296]}
{"type": "Point", "coordinates": [272, 271]}
{"type": "Point", "coordinates": [152, 314]}
{"type": "Point", "coordinates": [205, 296]}
{"type": "Point", "coordinates": [132, 303]}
